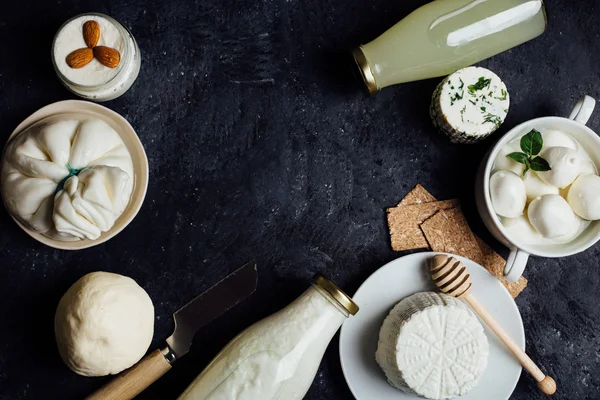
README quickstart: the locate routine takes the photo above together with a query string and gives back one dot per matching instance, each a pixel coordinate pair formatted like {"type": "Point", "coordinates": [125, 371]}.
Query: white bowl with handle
{"type": "Point", "coordinates": [520, 252]}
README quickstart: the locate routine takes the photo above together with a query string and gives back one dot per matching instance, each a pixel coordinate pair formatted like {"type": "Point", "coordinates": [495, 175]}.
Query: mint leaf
{"type": "Point", "coordinates": [532, 143]}
{"type": "Point", "coordinates": [539, 164]}
{"type": "Point", "coordinates": [521, 158]}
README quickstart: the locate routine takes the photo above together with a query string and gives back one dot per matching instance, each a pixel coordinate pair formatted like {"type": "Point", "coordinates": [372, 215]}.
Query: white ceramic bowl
{"type": "Point", "coordinates": [520, 252]}
{"type": "Point", "coordinates": [138, 156]}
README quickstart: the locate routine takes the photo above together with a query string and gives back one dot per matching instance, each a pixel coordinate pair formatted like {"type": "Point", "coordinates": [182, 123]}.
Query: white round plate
{"type": "Point", "coordinates": [399, 279]}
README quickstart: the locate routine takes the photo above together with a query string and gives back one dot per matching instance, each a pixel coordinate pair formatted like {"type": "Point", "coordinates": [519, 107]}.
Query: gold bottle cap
{"type": "Point", "coordinates": [365, 70]}
{"type": "Point", "coordinates": [338, 294]}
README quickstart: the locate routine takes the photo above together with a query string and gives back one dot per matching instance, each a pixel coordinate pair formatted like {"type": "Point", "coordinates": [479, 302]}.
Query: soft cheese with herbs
{"type": "Point", "coordinates": [470, 105]}
{"type": "Point", "coordinates": [432, 345]}
{"type": "Point", "coordinates": [68, 177]}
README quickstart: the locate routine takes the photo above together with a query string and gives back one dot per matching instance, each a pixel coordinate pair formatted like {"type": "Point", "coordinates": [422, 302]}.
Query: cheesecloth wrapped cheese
{"type": "Point", "coordinates": [68, 176]}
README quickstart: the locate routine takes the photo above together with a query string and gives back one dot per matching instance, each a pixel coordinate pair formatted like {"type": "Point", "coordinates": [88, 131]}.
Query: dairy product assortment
{"type": "Point", "coordinates": [553, 205]}
{"type": "Point", "coordinates": [432, 345]}
{"type": "Point", "coordinates": [68, 177]}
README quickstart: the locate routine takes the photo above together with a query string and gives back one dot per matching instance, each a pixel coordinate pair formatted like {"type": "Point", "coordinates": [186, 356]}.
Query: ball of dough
{"type": "Point", "coordinates": [565, 166]}
{"type": "Point", "coordinates": [584, 197]}
{"type": "Point", "coordinates": [104, 324]}
{"type": "Point", "coordinates": [552, 217]}
{"type": "Point", "coordinates": [508, 195]}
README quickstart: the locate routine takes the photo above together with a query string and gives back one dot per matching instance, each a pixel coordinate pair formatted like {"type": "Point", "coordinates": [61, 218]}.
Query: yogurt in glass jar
{"type": "Point", "coordinates": [96, 81]}
{"type": "Point", "coordinates": [278, 357]}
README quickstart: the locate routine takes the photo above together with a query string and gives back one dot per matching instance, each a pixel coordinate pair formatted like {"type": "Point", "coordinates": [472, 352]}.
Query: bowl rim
{"type": "Point", "coordinates": [530, 249]}
{"type": "Point", "coordinates": [141, 171]}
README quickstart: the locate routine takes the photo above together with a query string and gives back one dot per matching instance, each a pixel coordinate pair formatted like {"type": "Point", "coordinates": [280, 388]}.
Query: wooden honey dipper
{"type": "Point", "coordinates": [452, 278]}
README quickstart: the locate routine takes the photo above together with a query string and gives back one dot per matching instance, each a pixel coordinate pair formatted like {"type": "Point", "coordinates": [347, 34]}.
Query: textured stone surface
{"type": "Point", "coordinates": [259, 149]}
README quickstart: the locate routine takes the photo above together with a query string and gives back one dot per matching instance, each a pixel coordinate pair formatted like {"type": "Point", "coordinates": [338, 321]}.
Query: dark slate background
{"type": "Point", "coordinates": [260, 147]}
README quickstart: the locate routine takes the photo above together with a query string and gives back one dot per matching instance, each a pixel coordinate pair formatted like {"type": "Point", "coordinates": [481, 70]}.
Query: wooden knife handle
{"type": "Point", "coordinates": [134, 380]}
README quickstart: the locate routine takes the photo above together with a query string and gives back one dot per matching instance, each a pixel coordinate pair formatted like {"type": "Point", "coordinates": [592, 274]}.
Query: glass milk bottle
{"type": "Point", "coordinates": [278, 357]}
{"type": "Point", "coordinates": [446, 35]}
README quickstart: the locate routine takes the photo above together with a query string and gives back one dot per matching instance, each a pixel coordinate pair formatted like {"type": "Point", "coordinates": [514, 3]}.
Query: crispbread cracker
{"type": "Point", "coordinates": [495, 264]}
{"type": "Point", "coordinates": [404, 223]}
{"type": "Point", "coordinates": [448, 231]}
{"type": "Point", "coordinates": [491, 260]}
{"type": "Point", "coordinates": [417, 195]}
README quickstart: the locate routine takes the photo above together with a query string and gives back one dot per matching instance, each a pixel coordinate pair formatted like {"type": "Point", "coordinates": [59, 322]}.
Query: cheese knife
{"type": "Point", "coordinates": [188, 320]}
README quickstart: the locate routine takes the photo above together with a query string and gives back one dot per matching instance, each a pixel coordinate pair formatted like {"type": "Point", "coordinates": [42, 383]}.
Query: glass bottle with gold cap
{"type": "Point", "coordinates": [278, 357]}
{"type": "Point", "coordinates": [446, 35]}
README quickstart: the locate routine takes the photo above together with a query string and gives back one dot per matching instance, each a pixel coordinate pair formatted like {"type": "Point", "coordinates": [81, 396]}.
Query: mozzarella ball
{"type": "Point", "coordinates": [508, 195]}
{"type": "Point", "coordinates": [554, 138]}
{"type": "Point", "coordinates": [103, 324]}
{"type": "Point", "coordinates": [552, 217]}
{"type": "Point", "coordinates": [521, 228]}
{"type": "Point", "coordinates": [588, 167]}
{"type": "Point", "coordinates": [535, 187]}
{"type": "Point", "coordinates": [502, 162]}
{"type": "Point", "coordinates": [565, 166]}
{"type": "Point", "coordinates": [584, 197]}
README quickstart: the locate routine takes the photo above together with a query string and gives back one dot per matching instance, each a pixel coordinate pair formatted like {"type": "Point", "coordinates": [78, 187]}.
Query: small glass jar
{"type": "Point", "coordinates": [278, 357]}
{"type": "Point", "coordinates": [117, 81]}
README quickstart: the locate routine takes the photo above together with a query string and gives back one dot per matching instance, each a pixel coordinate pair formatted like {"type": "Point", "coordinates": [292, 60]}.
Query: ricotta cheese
{"type": "Point", "coordinates": [432, 345]}
{"type": "Point", "coordinates": [470, 105]}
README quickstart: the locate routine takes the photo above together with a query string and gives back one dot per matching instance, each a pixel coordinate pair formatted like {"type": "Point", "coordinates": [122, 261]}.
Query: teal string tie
{"type": "Point", "coordinates": [72, 172]}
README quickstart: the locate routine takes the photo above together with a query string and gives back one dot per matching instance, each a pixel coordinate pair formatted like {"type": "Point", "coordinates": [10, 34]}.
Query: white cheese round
{"type": "Point", "coordinates": [470, 105]}
{"type": "Point", "coordinates": [432, 345]}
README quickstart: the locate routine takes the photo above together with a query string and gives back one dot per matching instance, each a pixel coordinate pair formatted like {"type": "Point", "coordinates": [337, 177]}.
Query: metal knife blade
{"type": "Point", "coordinates": [211, 304]}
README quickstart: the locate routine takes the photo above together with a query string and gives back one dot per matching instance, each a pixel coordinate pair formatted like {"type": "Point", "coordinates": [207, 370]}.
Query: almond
{"type": "Point", "coordinates": [80, 58]}
{"type": "Point", "coordinates": [107, 56]}
{"type": "Point", "coordinates": [91, 33]}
